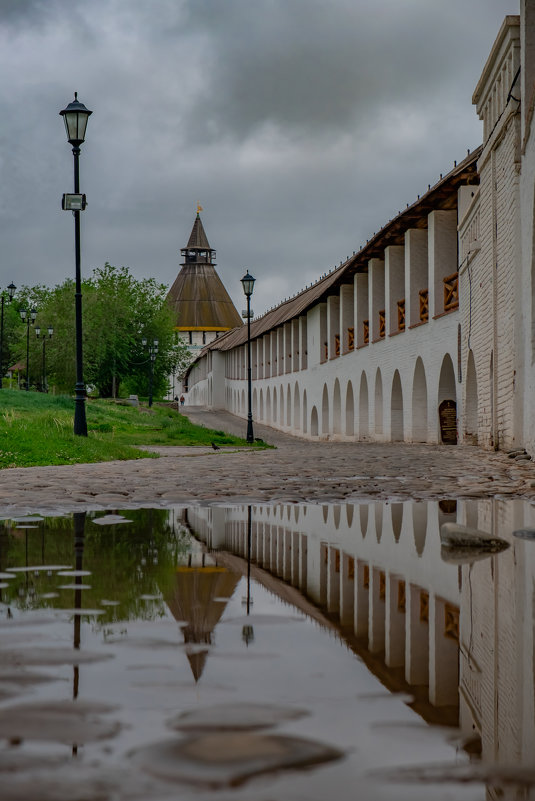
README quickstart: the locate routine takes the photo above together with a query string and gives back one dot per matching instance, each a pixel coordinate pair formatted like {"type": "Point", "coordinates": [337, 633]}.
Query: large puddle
{"type": "Point", "coordinates": [269, 652]}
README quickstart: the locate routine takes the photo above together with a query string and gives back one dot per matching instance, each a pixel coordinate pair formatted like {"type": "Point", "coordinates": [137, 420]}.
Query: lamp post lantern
{"type": "Point", "coordinates": [248, 283]}
{"type": "Point", "coordinates": [28, 318]}
{"type": "Point", "coordinates": [50, 330]}
{"type": "Point", "coordinates": [75, 117]}
{"type": "Point", "coordinates": [10, 292]}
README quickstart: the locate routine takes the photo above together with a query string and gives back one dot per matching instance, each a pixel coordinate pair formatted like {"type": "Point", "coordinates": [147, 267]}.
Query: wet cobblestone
{"type": "Point", "coordinates": [295, 471]}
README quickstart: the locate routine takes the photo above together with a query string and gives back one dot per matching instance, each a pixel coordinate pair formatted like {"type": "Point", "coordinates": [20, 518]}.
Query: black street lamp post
{"type": "Point", "coordinates": [75, 117]}
{"type": "Point", "coordinates": [10, 292]}
{"type": "Point", "coordinates": [153, 350]}
{"type": "Point", "coordinates": [50, 330]}
{"type": "Point", "coordinates": [28, 318]}
{"type": "Point", "coordinates": [248, 283]}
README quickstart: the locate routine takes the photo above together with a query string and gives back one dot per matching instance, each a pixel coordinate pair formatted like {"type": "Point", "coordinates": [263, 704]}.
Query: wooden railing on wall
{"type": "Point", "coordinates": [366, 326]}
{"type": "Point", "coordinates": [401, 315]}
{"type": "Point", "coordinates": [424, 305]}
{"type": "Point", "coordinates": [337, 344]}
{"type": "Point", "coordinates": [451, 292]}
{"type": "Point", "coordinates": [350, 338]}
{"type": "Point", "coordinates": [325, 351]}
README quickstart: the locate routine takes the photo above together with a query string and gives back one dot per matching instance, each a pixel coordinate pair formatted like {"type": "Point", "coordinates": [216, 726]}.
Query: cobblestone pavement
{"type": "Point", "coordinates": [295, 471]}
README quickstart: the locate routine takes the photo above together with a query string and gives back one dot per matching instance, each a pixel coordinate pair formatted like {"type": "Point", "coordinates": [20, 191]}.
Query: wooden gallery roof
{"type": "Point", "coordinates": [442, 195]}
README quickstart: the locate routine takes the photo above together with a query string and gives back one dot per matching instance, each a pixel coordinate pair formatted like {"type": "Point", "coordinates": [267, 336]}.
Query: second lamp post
{"type": "Point", "coordinates": [248, 285]}
{"type": "Point", "coordinates": [153, 350]}
{"type": "Point", "coordinates": [10, 292]}
{"type": "Point", "coordinates": [28, 318]}
{"type": "Point", "coordinates": [50, 330]}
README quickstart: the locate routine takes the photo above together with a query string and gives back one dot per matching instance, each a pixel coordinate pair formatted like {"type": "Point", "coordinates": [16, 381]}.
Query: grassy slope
{"type": "Point", "coordinates": [36, 429]}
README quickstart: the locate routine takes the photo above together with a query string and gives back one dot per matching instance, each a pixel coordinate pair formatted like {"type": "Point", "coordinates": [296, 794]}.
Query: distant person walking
{"type": "Point", "coordinates": [182, 400]}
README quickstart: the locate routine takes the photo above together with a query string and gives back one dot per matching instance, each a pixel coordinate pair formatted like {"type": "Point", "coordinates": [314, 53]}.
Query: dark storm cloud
{"type": "Point", "coordinates": [301, 126]}
{"type": "Point", "coordinates": [311, 67]}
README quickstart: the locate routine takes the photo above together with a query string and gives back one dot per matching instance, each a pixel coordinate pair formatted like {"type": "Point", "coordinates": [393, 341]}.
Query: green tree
{"type": "Point", "coordinates": [118, 312]}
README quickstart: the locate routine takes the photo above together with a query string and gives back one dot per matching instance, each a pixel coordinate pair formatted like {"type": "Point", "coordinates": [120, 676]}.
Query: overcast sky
{"type": "Point", "coordinates": [301, 126]}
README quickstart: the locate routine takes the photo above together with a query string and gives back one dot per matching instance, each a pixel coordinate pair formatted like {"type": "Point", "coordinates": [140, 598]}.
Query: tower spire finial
{"type": "Point", "coordinates": [199, 207]}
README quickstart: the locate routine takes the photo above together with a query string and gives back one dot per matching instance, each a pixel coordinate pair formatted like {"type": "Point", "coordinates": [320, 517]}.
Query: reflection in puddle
{"type": "Point", "coordinates": [348, 636]}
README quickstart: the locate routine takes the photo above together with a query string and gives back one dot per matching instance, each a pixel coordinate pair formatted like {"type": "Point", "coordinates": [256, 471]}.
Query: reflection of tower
{"type": "Point", "coordinates": [199, 597]}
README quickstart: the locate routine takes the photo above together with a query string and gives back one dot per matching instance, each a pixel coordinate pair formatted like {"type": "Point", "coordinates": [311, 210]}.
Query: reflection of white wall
{"type": "Point", "coordinates": [497, 640]}
{"type": "Point", "coordinates": [380, 572]}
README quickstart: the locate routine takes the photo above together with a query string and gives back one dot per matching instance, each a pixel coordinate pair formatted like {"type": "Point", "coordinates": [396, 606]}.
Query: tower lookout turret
{"type": "Point", "coordinates": [202, 306]}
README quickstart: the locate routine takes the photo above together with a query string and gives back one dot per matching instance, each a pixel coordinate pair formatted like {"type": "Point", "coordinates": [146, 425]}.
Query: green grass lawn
{"type": "Point", "coordinates": [37, 429]}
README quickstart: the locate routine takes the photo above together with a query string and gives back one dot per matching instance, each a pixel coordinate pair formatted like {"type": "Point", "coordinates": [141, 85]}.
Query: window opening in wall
{"type": "Point", "coordinates": [424, 305]}
{"type": "Point", "coordinates": [204, 337]}
{"type": "Point", "coordinates": [401, 596]}
{"type": "Point", "coordinates": [424, 607]}
{"type": "Point", "coordinates": [190, 337]}
{"type": "Point", "coordinates": [401, 315]}
{"type": "Point", "coordinates": [382, 323]}
{"type": "Point", "coordinates": [451, 292]}
{"type": "Point", "coordinates": [451, 622]}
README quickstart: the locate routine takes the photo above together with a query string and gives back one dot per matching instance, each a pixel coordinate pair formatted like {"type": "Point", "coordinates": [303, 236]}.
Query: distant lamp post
{"type": "Point", "coordinates": [75, 117]}
{"type": "Point", "coordinates": [248, 283]}
{"type": "Point", "coordinates": [50, 330]}
{"type": "Point", "coordinates": [10, 292]}
{"type": "Point", "coordinates": [153, 350]}
{"type": "Point", "coordinates": [28, 318]}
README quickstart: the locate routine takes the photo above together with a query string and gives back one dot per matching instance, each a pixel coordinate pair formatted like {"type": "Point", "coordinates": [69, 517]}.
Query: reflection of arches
{"type": "Point", "coordinates": [274, 404]}
{"type": "Point", "coordinates": [325, 510]}
{"type": "Point", "coordinates": [261, 406]}
{"type": "Point", "coordinates": [337, 511]}
{"type": "Point", "coordinates": [288, 407]}
{"type": "Point", "coordinates": [419, 519]}
{"type": "Point", "coordinates": [255, 402]}
{"type": "Point", "coordinates": [363, 515]}
{"type": "Point", "coordinates": [268, 405]}
{"type": "Point", "coordinates": [297, 408]}
{"type": "Point", "coordinates": [314, 422]}
{"type": "Point", "coordinates": [396, 511]}
{"type": "Point", "coordinates": [378, 521]}
{"type": "Point", "coordinates": [349, 514]}
{"type": "Point", "coordinates": [419, 403]}
{"type": "Point", "coordinates": [243, 407]}
{"type": "Point", "coordinates": [350, 410]}
{"type": "Point", "coordinates": [363, 406]}
{"type": "Point", "coordinates": [281, 410]}
{"type": "Point", "coordinates": [378, 402]}
{"type": "Point", "coordinates": [325, 411]}
{"type": "Point", "coordinates": [305, 416]}
{"type": "Point", "coordinates": [337, 409]}
{"type": "Point", "coordinates": [471, 414]}
{"type": "Point", "coordinates": [396, 410]}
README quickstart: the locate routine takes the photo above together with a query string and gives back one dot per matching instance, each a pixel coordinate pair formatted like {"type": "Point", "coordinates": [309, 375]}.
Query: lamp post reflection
{"type": "Point", "coordinates": [79, 535]}
{"type": "Point", "coordinates": [247, 630]}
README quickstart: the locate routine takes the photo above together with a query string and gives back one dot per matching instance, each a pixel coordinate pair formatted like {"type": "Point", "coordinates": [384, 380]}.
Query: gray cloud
{"type": "Point", "coordinates": [302, 127]}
